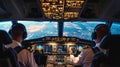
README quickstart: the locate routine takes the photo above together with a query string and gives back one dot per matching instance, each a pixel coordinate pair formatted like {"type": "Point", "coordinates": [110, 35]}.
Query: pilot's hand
{"type": "Point", "coordinates": [71, 58]}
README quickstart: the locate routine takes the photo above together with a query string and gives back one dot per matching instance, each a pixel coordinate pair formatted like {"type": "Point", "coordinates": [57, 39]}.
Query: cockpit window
{"type": "Point", "coordinates": [37, 29]}
{"type": "Point", "coordinates": [6, 25]}
{"type": "Point", "coordinates": [81, 30]}
{"type": "Point", "coordinates": [115, 28]}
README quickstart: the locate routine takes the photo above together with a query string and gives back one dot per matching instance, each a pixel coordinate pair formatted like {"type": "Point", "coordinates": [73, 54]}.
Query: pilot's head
{"type": "Point", "coordinates": [100, 31]}
{"type": "Point", "coordinates": [18, 32]}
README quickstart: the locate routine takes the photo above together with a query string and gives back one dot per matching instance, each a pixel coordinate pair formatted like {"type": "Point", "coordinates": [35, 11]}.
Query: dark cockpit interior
{"type": "Point", "coordinates": [55, 26]}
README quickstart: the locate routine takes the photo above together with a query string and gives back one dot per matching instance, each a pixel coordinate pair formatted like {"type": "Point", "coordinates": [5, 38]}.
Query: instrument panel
{"type": "Point", "coordinates": [58, 49]}
{"type": "Point", "coordinates": [58, 54]}
{"type": "Point", "coordinates": [51, 48]}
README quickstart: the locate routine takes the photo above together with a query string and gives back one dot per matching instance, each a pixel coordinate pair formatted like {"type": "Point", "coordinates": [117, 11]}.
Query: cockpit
{"type": "Point", "coordinates": [55, 27]}
{"type": "Point", "coordinates": [45, 38]}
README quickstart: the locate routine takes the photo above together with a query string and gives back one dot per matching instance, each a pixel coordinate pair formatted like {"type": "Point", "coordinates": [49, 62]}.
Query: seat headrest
{"type": "Point", "coordinates": [5, 37]}
{"type": "Point", "coordinates": [110, 42]}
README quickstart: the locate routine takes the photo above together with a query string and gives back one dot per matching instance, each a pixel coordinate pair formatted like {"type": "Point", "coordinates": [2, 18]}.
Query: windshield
{"type": "Point", "coordinates": [6, 25]}
{"type": "Point", "coordinates": [115, 28]}
{"type": "Point", "coordinates": [37, 29]}
{"type": "Point", "coordinates": [79, 29]}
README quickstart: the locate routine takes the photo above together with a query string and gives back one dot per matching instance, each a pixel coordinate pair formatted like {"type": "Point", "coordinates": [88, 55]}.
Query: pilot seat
{"type": "Point", "coordinates": [111, 58]}
{"type": "Point", "coordinates": [8, 56]}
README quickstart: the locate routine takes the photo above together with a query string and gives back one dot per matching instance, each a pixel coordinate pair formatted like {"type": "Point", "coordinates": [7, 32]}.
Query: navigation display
{"type": "Point", "coordinates": [61, 49]}
{"type": "Point", "coordinates": [47, 49]}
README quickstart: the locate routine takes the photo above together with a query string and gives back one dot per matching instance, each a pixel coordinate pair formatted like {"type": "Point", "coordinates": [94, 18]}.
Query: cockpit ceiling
{"type": "Point", "coordinates": [61, 9]}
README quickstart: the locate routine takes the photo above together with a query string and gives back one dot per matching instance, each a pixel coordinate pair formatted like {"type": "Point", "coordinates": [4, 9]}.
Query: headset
{"type": "Point", "coordinates": [101, 27]}
{"type": "Point", "coordinates": [18, 27]}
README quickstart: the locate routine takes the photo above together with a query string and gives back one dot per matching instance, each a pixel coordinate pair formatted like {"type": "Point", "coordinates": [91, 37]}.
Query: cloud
{"type": "Point", "coordinates": [35, 28]}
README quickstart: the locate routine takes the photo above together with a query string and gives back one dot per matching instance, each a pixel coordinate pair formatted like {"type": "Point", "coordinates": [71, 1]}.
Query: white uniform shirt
{"type": "Point", "coordinates": [24, 56]}
{"type": "Point", "coordinates": [84, 58]}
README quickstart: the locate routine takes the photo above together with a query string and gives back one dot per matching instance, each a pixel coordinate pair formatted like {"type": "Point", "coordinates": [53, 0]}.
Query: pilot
{"type": "Point", "coordinates": [85, 57]}
{"type": "Point", "coordinates": [25, 57]}
{"type": "Point", "coordinates": [100, 31]}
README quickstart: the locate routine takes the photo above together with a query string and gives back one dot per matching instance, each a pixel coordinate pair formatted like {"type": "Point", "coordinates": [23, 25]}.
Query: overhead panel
{"type": "Point", "coordinates": [61, 9]}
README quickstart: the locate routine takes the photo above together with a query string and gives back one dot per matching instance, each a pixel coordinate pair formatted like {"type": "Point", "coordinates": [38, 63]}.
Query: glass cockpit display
{"type": "Point", "coordinates": [47, 49]}
{"type": "Point", "coordinates": [59, 49]}
{"type": "Point", "coordinates": [62, 49]}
